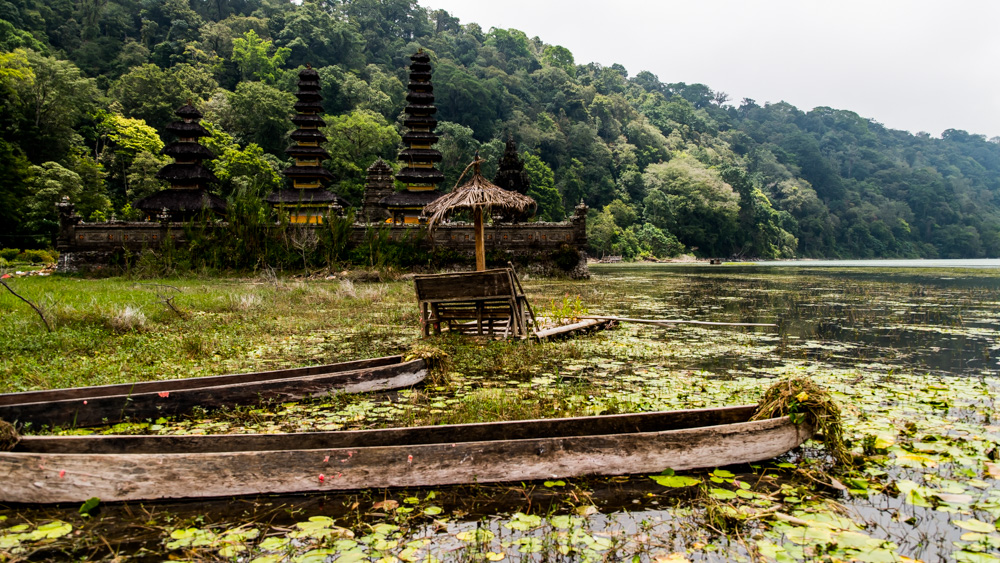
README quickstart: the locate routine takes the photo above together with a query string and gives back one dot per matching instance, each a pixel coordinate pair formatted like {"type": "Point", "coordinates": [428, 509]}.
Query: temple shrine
{"type": "Point", "coordinates": [308, 200]}
{"type": "Point", "coordinates": [186, 197]}
{"type": "Point", "coordinates": [418, 174]}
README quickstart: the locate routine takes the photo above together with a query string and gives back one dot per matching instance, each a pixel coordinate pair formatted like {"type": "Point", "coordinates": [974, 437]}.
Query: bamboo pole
{"type": "Point", "coordinates": [477, 213]}
{"type": "Point", "coordinates": [668, 322]}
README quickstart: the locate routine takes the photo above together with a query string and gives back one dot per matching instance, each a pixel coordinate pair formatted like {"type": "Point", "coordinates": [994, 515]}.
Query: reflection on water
{"type": "Point", "coordinates": [912, 319]}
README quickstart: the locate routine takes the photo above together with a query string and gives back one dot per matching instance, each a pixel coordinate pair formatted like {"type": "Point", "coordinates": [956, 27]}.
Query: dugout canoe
{"type": "Point", "coordinates": [130, 468]}
{"type": "Point", "coordinates": [89, 406]}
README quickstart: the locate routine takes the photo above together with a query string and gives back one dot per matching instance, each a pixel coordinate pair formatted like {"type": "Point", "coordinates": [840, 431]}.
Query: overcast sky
{"type": "Point", "coordinates": [916, 65]}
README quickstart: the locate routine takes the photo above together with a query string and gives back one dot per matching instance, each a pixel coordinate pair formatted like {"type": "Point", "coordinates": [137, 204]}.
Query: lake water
{"type": "Point", "coordinates": [942, 263]}
{"type": "Point", "coordinates": [929, 319]}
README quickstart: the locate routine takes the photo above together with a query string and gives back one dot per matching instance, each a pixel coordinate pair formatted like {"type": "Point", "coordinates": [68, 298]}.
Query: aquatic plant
{"type": "Point", "coordinates": [805, 402]}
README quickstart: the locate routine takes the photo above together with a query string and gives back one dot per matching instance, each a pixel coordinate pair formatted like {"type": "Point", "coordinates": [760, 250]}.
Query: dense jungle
{"type": "Point", "coordinates": [666, 168]}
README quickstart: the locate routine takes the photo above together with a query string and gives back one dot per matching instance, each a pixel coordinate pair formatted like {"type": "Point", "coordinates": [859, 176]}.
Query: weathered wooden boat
{"type": "Point", "coordinates": [89, 406]}
{"type": "Point", "coordinates": [49, 469]}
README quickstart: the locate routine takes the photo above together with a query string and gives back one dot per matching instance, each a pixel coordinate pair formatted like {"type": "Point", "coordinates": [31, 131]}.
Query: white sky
{"type": "Point", "coordinates": [916, 65]}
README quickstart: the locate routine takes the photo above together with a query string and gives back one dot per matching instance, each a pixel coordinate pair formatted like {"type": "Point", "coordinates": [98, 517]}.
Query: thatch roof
{"type": "Point", "coordinates": [308, 120]}
{"type": "Point", "coordinates": [177, 199]}
{"type": "Point", "coordinates": [479, 193]}
{"type": "Point", "coordinates": [186, 174]}
{"type": "Point", "coordinates": [410, 198]}
{"type": "Point", "coordinates": [188, 150]}
{"type": "Point", "coordinates": [419, 137]}
{"type": "Point", "coordinates": [413, 175]}
{"type": "Point", "coordinates": [306, 197]}
{"type": "Point", "coordinates": [184, 129]}
{"type": "Point", "coordinates": [420, 155]}
{"type": "Point", "coordinates": [308, 107]}
{"type": "Point", "coordinates": [188, 111]}
{"type": "Point", "coordinates": [306, 172]}
{"type": "Point", "coordinates": [307, 152]}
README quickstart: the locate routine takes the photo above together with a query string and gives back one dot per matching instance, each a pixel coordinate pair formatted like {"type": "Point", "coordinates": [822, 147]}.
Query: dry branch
{"type": "Point", "coordinates": [33, 306]}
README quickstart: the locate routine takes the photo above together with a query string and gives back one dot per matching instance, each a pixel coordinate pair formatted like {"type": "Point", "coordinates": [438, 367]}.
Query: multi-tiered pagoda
{"type": "Point", "coordinates": [188, 177]}
{"type": "Point", "coordinates": [307, 201]}
{"type": "Point", "coordinates": [510, 172]}
{"type": "Point", "coordinates": [379, 184]}
{"type": "Point", "coordinates": [418, 173]}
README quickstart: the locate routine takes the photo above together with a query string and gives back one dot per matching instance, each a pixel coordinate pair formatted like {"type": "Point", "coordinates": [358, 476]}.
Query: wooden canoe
{"type": "Point", "coordinates": [89, 406]}
{"type": "Point", "coordinates": [123, 468]}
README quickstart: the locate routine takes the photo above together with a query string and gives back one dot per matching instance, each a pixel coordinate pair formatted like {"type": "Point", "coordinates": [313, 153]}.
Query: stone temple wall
{"type": "Point", "coordinates": [93, 244]}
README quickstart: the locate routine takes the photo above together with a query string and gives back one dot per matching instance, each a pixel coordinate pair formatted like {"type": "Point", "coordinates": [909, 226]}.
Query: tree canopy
{"type": "Point", "coordinates": [666, 167]}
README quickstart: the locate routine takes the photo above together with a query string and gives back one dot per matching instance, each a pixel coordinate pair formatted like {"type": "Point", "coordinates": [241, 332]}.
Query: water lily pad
{"type": "Point", "coordinates": [974, 525]}
{"type": "Point", "coordinates": [721, 494]}
{"type": "Point", "coordinates": [675, 481]}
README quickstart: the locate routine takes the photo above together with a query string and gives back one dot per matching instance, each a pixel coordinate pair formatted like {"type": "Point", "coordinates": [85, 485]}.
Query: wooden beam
{"type": "Point", "coordinates": [669, 322]}
{"type": "Point", "coordinates": [480, 243]}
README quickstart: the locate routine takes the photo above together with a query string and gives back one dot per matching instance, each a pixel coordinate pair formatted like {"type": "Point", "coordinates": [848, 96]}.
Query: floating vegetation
{"type": "Point", "coordinates": [806, 402]}
{"type": "Point", "coordinates": [912, 360]}
{"type": "Point", "coordinates": [8, 436]}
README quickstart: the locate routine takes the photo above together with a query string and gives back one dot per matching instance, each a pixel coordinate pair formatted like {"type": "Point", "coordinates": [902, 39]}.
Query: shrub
{"type": "Point", "coordinates": [36, 257]}
{"type": "Point", "coordinates": [566, 257]}
{"type": "Point", "coordinates": [9, 254]}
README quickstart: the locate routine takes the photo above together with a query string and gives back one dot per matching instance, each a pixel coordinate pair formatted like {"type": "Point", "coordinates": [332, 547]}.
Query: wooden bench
{"type": "Point", "coordinates": [487, 303]}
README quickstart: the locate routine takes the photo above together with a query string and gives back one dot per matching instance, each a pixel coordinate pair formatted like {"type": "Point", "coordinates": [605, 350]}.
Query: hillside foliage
{"type": "Point", "coordinates": [89, 85]}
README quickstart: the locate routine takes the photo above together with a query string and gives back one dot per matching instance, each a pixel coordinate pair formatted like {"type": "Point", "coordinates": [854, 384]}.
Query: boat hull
{"type": "Point", "coordinates": [347, 464]}
{"type": "Point", "coordinates": [109, 404]}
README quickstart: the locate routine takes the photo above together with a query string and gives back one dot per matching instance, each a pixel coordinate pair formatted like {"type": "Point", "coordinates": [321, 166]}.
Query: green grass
{"type": "Point", "coordinates": [116, 330]}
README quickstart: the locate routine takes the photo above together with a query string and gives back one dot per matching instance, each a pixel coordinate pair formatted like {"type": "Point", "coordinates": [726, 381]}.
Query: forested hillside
{"type": "Point", "coordinates": [88, 86]}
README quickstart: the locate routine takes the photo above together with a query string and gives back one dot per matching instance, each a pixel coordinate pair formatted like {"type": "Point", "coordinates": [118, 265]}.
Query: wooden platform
{"type": "Point", "coordinates": [488, 303]}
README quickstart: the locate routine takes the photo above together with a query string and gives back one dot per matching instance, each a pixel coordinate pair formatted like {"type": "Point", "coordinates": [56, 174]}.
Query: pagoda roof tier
{"type": "Point", "coordinates": [309, 84]}
{"type": "Point", "coordinates": [312, 152]}
{"type": "Point", "coordinates": [380, 169]}
{"type": "Point", "coordinates": [308, 107]}
{"type": "Point", "coordinates": [419, 137]}
{"type": "Point", "coordinates": [308, 120]}
{"type": "Point", "coordinates": [419, 88]}
{"type": "Point", "coordinates": [308, 72]}
{"type": "Point", "coordinates": [410, 198]}
{"type": "Point", "coordinates": [410, 175]}
{"type": "Point", "coordinates": [414, 109]}
{"type": "Point", "coordinates": [306, 196]}
{"type": "Point", "coordinates": [318, 172]}
{"type": "Point", "coordinates": [187, 129]}
{"type": "Point", "coordinates": [418, 78]}
{"type": "Point", "coordinates": [309, 96]}
{"type": "Point", "coordinates": [188, 150]}
{"type": "Point", "coordinates": [420, 67]}
{"type": "Point", "coordinates": [422, 98]}
{"type": "Point", "coordinates": [420, 57]}
{"type": "Point", "coordinates": [186, 174]}
{"type": "Point", "coordinates": [181, 199]}
{"type": "Point", "coordinates": [420, 155]}
{"type": "Point", "coordinates": [307, 135]}
{"type": "Point", "coordinates": [188, 111]}
{"type": "Point", "coordinates": [420, 121]}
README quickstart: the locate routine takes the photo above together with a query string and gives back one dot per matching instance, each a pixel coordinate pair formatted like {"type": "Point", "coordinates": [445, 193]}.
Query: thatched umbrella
{"type": "Point", "coordinates": [478, 195]}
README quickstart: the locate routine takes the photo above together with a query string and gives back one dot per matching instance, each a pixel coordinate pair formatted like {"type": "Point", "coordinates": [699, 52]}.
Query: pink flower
{"type": "Point", "coordinates": [164, 394]}
{"type": "Point", "coordinates": [321, 478]}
